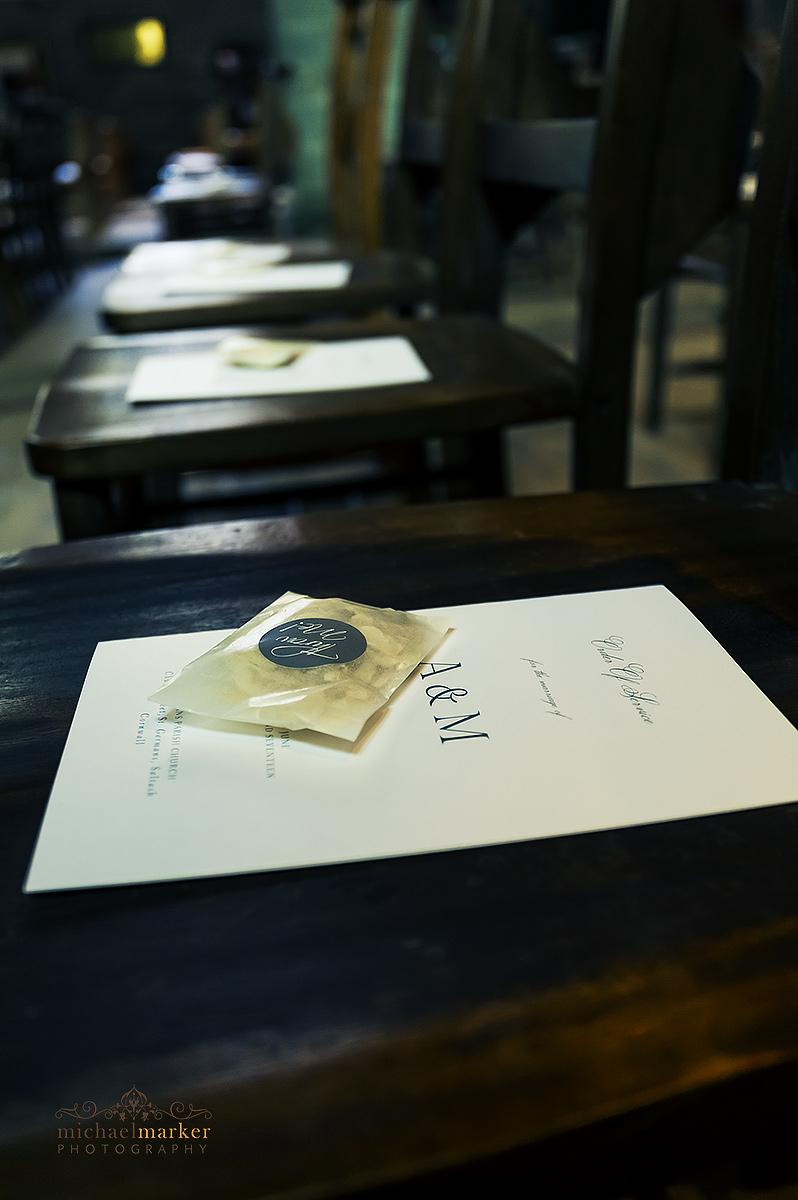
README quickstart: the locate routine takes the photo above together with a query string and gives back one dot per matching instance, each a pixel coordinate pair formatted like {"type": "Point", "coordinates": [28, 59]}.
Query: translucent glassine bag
{"type": "Point", "coordinates": [304, 663]}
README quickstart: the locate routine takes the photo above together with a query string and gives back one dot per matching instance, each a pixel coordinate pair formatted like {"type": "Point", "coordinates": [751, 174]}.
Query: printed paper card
{"type": "Point", "coordinates": [325, 367]}
{"type": "Point", "coordinates": [536, 718]}
{"type": "Point", "coordinates": [221, 253]}
{"type": "Point", "coordinates": [291, 277]}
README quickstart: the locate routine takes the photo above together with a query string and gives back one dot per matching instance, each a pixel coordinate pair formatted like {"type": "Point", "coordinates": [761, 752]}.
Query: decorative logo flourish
{"type": "Point", "coordinates": [134, 1105]}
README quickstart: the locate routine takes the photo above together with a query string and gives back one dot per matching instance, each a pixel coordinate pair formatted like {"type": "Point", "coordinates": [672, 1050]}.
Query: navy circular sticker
{"type": "Point", "coordinates": [312, 642]}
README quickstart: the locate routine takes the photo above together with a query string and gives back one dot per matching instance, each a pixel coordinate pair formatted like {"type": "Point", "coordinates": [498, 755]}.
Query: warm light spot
{"type": "Point", "coordinates": [150, 42]}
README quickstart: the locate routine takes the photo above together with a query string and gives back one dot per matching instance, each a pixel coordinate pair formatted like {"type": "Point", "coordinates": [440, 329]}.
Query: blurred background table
{"type": "Point", "coordinates": [228, 199]}
{"type": "Point", "coordinates": [102, 451]}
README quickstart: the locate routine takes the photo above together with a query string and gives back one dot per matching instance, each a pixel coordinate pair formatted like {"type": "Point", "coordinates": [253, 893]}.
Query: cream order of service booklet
{"type": "Point", "coordinates": [534, 718]}
{"type": "Point", "coordinates": [326, 367]}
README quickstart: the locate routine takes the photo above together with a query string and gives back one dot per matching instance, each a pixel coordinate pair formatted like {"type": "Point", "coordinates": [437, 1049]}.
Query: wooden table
{"type": "Point", "coordinates": [227, 200]}
{"type": "Point", "coordinates": [99, 449]}
{"type": "Point", "coordinates": [579, 1015]}
{"type": "Point", "coordinates": [385, 279]}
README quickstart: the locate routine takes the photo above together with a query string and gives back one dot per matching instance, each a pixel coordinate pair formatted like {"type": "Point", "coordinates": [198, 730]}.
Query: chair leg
{"type": "Point", "coordinates": [660, 342]}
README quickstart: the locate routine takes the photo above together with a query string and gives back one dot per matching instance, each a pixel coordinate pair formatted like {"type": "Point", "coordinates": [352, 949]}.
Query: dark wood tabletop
{"type": "Point", "coordinates": [387, 278]}
{"type": "Point", "coordinates": [85, 428]}
{"type": "Point", "coordinates": [592, 1011]}
{"type": "Point", "coordinates": [93, 443]}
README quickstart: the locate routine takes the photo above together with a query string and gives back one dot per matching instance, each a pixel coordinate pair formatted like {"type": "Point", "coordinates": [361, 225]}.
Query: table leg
{"type": "Point", "coordinates": [463, 466]}
{"type": "Point", "coordinates": [95, 507]}
{"type": "Point", "coordinates": [487, 463]}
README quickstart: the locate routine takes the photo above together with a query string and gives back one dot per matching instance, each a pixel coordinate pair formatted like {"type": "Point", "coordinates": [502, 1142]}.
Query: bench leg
{"type": "Point", "coordinates": [467, 465]}
{"type": "Point", "coordinates": [487, 463]}
{"type": "Point", "coordinates": [660, 346]}
{"type": "Point", "coordinates": [96, 507]}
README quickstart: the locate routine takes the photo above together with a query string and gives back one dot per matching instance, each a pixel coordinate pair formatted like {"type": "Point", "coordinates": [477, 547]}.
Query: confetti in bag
{"type": "Point", "coordinates": [303, 663]}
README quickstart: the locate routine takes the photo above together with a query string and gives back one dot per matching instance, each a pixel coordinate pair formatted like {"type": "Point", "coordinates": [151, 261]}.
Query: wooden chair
{"type": "Point", "coordinates": [380, 277]}
{"type": "Point", "coordinates": [675, 112]}
{"type": "Point", "coordinates": [519, 81]}
{"type": "Point", "coordinates": [702, 116]}
{"type": "Point", "coordinates": [718, 259]}
{"type": "Point", "coordinates": [520, 133]}
{"type": "Point", "coordinates": [414, 183]}
{"type": "Point", "coordinates": [761, 436]}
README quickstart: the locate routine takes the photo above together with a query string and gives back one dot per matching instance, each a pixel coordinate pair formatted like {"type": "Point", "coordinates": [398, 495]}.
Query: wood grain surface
{"type": "Point", "coordinates": [483, 377]}
{"type": "Point", "coordinates": [604, 1011]}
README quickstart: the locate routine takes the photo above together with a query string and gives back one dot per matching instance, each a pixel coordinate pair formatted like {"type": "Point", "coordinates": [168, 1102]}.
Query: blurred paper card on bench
{"type": "Point", "coordinates": [291, 277]}
{"type": "Point", "coordinates": [149, 257]}
{"type": "Point", "coordinates": [325, 367]}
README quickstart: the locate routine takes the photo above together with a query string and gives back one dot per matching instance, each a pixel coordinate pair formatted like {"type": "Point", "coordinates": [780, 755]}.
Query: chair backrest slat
{"type": "Point", "coordinates": [512, 127]}
{"type": "Point", "coordinates": [362, 44]}
{"type": "Point", "coordinates": [761, 436]}
{"type": "Point", "coordinates": [556, 153]}
{"type": "Point", "coordinates": [676, 112]}
{"type": "Point", "coordinates": [709, 109]}
{"type": "Point", "coordinates": [415, 193]}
